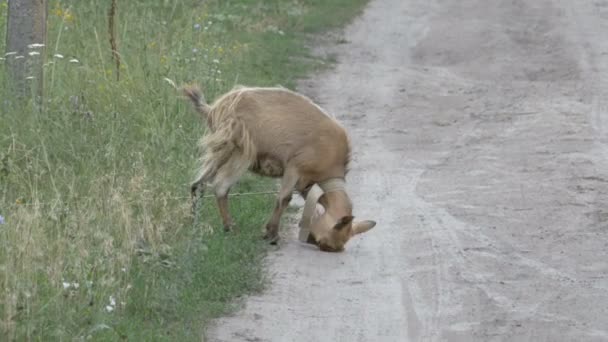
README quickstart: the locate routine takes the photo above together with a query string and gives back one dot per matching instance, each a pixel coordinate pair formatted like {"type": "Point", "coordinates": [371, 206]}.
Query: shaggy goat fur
{"type": "Point", "coordinates": [227, 145]}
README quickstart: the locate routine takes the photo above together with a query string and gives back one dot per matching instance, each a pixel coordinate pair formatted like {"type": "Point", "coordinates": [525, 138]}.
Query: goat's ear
{"type": "Point", "coordinates": [343, 222]}
{"type": "Point", "coordinates": [363, 226]}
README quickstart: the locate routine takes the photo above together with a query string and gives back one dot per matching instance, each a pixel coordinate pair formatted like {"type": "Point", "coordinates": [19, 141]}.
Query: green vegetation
{"type": "Point", "coordinates": [98, 239]}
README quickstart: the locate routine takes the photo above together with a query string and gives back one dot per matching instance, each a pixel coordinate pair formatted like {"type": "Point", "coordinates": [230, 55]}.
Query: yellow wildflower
{"type": "Point", "coordinates": [65, 14]}
{"type": "Point", "coordinates": [68, 16]}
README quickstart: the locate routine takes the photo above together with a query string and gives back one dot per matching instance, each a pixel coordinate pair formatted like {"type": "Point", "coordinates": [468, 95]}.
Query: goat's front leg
{"type": "Point", "coordinates": [303, 186]}
{"type": "Point", "coordinates": [288, 182]}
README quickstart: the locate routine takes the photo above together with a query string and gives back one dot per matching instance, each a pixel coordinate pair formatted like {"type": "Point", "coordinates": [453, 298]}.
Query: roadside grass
{"type": "Point", "coordinates": [98, 240]}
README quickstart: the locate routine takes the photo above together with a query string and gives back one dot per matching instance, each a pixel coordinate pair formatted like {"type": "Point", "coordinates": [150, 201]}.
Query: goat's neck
{"type": "Point", "coordinates": [337, 203]}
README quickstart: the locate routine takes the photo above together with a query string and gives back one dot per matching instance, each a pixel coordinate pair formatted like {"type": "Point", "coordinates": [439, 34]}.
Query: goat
{"type": "Point", "coordinates": [276, 132]}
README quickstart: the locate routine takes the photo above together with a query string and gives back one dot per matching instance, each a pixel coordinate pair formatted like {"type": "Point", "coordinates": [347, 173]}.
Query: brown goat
{"type": "Point", "coordinates": [275, 132]}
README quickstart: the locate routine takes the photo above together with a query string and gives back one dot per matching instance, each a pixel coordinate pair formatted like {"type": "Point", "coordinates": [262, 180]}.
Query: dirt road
{"type": "Point", "coordinates": [480, 132]}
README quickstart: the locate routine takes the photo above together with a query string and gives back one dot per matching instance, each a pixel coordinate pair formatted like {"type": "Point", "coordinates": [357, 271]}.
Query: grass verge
{"type": "Point", "coordinates": [96, 236]}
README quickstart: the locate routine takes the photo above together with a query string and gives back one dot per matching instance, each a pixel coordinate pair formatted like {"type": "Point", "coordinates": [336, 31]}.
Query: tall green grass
{"type": "Point", "coordinates": [98, 240]}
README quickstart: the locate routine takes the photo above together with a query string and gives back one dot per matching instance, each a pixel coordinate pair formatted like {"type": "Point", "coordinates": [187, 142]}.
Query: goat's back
{"type": "Point", "coordinates": [288, 127]}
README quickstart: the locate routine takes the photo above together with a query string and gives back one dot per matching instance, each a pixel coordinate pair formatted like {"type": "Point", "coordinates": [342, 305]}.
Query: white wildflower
{"type": "Point", "coordinates": [110, 307]}
{"type": "Point", "coordinates": [33, 53]}
{"type": "Point", "coordinates": [19, 57]}
{"type": "Point", "coordinates": [35, 46]}
{"type": "Point", "coordinates": [30, 78]}
{"type": "Point", "coordinates": [10, 53]}
{"type": "Point", "coordinates": [57, 55]}
{"type": "Point", "coordinates": [68, 285]}
{"type": "Point", "coordinates": [216, 61]}
{"type": "Point", "coordinates": [74, 60]}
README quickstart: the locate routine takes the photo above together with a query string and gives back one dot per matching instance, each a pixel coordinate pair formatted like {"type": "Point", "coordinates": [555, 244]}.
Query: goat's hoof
{"type": "Point", "coordinates": [272, 237]}
{"type": "Point", "coordinates": [311, 239]}
{"type": "Point", "coordinates": [196, 191]}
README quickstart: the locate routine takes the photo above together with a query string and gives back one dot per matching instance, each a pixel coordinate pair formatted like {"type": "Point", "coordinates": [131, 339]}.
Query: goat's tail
{"type": "Point", "coordinates": [194, 93]}
{"type": "Point", "coordinates": [228, 148]}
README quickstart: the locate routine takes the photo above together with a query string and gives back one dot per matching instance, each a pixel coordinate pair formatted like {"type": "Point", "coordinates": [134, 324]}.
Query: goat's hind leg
{"type": "Point", "coordinates": [197, 188]}
{"type": "Point", "coordinates": [227, 176]}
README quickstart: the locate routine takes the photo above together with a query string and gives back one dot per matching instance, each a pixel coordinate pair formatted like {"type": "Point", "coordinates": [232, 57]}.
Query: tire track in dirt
{"type": "Point", "coordinates": [524, 177]}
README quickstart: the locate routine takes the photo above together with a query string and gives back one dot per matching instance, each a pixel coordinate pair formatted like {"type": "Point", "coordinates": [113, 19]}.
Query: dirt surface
{"type": "Point", "coordinates": [480, 132]}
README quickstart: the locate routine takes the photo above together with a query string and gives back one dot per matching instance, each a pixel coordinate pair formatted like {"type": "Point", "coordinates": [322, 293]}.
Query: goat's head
{"type": "Point", "coordinates": [330, 228]}
{"type": "Point", "coordinates": [331, 234]}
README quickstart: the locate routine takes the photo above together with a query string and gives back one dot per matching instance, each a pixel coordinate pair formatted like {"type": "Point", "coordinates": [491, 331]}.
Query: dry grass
{"type": "Point", "coordinates": [97, 240]}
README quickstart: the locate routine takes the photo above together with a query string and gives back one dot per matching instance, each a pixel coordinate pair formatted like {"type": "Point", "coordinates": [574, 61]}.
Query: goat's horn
{"type": "Point", "coordinates": [312, 198]}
